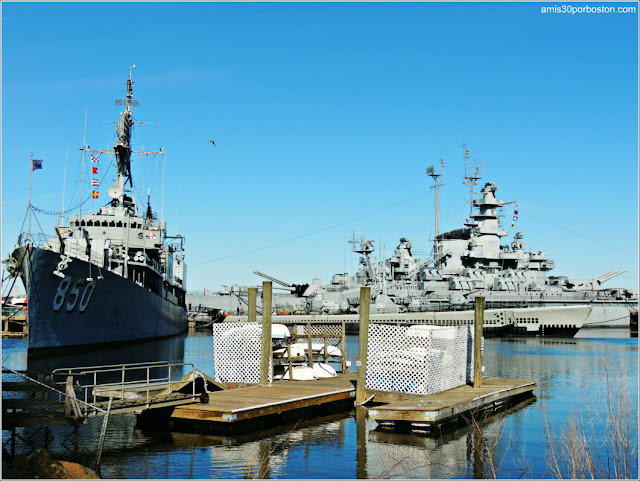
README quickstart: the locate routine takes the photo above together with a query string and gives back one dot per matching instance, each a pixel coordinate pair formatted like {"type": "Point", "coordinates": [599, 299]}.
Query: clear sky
{"type": "Point", "coordinates": [325, 117]}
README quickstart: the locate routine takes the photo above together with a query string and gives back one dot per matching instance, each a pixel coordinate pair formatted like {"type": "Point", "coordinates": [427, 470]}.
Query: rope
{"type": "Point", "coordinates": [350, 221]}
{"type": "Point", "coordinates": [71, 209]}
{"type": "Point", "coordinates": [604, 322]}
{"type": "Point", "coordinates": [55, 212]}
{"type": "Point", "coordinates": [52, 389]}
{"type": "Point", "coordinates": [576, 233]}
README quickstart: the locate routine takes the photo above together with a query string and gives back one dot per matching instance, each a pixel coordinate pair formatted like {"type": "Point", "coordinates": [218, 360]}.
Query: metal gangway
{"type": "Point", "coordinates": [131, 388]}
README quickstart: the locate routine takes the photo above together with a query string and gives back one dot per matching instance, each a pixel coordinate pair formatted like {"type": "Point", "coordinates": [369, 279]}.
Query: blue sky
{"type": "Point", "coordinates": [325, 117]}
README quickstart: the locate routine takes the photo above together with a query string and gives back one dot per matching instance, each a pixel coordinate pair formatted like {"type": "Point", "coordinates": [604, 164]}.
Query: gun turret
{"type": "Point", "coordinates": [592, 284]}
{"type": "Point", "coordinates": [607, 275]}
{"type": "Point", "coordinates": [297, 289]}
{"type": "Point", "coordinates": [274, 279]}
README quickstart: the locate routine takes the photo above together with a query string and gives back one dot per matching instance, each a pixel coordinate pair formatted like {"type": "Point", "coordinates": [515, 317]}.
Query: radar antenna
{"type": "Point", "coordinates": [470, 180]}
{"type": "Point", "coordinates": [438, 182]}
{"type": "Point", "coordinates": [123, 151]}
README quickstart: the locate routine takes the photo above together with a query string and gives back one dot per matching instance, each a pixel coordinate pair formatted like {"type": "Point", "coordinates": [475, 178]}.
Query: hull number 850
{"type": "Point", "coordinates": [79, 295]}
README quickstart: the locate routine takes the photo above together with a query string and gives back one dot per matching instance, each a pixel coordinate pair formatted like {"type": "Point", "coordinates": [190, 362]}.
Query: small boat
{"type": "Point", "coordinates": [322, 370]}
{"type": "Point", "coordinates": [300, 349]}
{"type": "Point", "coordinates": [306, 373]}
{"type": "Point", "coordinates": [279, 331]}
{"type": "Point", "coordinates": [300, 373]}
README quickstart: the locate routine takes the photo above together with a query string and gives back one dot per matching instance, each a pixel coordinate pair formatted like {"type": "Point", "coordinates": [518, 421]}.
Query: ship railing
{"type": "Point", "coordinates": [136, 382]}
{"type": "Point", "coordinates": [73, 249]}
{"type": "Point", "coordinates": [78, 251]}
{"type": "Point", "coordinates": [35, 239]}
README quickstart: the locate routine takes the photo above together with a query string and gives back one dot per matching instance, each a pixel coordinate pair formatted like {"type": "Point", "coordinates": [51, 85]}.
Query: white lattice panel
{"type": "Point", "coordinates": [321, 330]}
{"type": "Point", "coordinates": [419, 359]}
{"type": "Point", "coordinates": [236, 352]}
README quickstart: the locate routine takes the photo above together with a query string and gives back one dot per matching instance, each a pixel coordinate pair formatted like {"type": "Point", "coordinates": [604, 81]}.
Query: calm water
{"type": "Point", "coordinates": [568, 371]}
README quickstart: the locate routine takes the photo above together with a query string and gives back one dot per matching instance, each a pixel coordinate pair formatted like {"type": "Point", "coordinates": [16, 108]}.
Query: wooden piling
{"type": "Point", "coordinates": [253, 296]}
{"type": "Point", "coordinates": [363, 343]}
{"type": "Point", "coordinates": [361, 442]}
{"type": "Point", "coordinates": [309, 345]}
{"type": "Point", "coordinates": [343, 347]}
{"type": "Point", "coordinates": [265, 344]}
{"type": "Point", "coordinates": [478, 323]}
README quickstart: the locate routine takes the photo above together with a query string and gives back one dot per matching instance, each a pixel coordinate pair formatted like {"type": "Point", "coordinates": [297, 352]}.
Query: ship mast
{"type": "Point", "coordinates": [123, 146]}
{"type": "Point", "coordinates": [438, 182]}
{"type": "Point", "coordinates": [469, 180]}
{"type": "Point", "coordinates": [123, 152]}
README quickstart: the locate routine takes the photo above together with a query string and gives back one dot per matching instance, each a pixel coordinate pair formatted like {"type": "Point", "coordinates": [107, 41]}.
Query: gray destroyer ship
{"type": "Point", "coordinates": [107, 277]}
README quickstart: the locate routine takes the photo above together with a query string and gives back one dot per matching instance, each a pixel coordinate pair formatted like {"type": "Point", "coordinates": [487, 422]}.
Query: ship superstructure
{"type": "Point", "coordinates": [109, 276]}
{"type": "Point", "coordinates": [473, 261]}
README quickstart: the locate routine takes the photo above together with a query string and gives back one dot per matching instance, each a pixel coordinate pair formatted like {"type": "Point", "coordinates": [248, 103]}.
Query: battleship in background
{"type": "Point", "coordinates": [467, 263]}
{"type": "Point", "coordinates": [107, 277]}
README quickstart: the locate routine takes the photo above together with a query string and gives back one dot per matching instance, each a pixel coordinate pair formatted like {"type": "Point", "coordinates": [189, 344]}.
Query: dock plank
{"type": "Point", "coordinates": [436, 408]}
{"type": "Point", "coordinates": [258, 401]}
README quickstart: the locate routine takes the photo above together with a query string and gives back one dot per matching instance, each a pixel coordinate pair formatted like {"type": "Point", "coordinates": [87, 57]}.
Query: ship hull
{"type": "Point", "coordinates": [562, 321]}
{"type": "Point", "coordinates": [604, 313]}
{"type": "Point", "coordinates": [67, 310]}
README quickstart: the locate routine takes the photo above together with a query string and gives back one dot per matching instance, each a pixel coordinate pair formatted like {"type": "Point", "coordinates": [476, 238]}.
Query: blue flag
{"type": "Point", "coordinates": [36, 164]}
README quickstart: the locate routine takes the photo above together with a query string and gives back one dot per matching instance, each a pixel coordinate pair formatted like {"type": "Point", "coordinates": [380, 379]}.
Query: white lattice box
{"type": "Point", "coordinates": [419, 359]}
{"type": "Point", "coordinates": [236, 352]}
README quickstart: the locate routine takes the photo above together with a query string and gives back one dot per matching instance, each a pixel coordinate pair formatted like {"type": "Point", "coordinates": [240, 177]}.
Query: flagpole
{"type": "Point", "coordinates": [64, 182]}
{"type": "Point", "coordinates": [29, 208]}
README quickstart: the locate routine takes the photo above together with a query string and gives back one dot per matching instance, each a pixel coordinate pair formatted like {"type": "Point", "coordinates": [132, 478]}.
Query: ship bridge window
{"type": "Point", "coordinates": [119, 224]}
{"type": "Point", "coordinates": [90, 223]}
{"type": "Point", "coordinates": [83, 223]}
{"type": "Point", "coordinates": [112, 224]}
{"type": "Point", "coordinates": [105, 223]}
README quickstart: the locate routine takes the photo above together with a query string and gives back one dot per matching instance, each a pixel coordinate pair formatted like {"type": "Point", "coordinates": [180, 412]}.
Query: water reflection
{"type": "Point", "coordinates": [270, 453]}
{"type": "Point", "coordinates": [348, 445]}
{"type": "Point", "coordinates": [454, 453]}
{"type": "Point", "coordinates": [169, 348]}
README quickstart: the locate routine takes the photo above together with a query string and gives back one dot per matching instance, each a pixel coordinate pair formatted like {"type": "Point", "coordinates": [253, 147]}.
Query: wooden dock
{"type": "Point", "coordinates": [449, 406]}
{"type": "Point", "coordinates": [232, 408]}
{"type": "Point", "coordinates": [256, 407]}
{"type": "Point", "coordinates": [14, 325]}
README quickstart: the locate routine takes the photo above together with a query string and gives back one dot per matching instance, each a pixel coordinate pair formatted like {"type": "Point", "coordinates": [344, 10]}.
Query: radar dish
{"type": "Point", "coordinates": [115, 191]}
{"type": "Point", "coordinates": [132, 102]}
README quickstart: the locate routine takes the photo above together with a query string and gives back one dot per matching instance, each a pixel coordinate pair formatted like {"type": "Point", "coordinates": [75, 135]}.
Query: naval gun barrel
{"type": "Point", "coordinates": [297, 289]}
{"type": "Point", "coordinates": [608, 275]}
{"type": "Point", "coordinates": [274, 279]}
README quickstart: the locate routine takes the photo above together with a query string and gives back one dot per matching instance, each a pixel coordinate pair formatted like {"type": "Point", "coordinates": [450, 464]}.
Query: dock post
{"type": "Point", "coordinates": [361, 442]}
{"type": "Point", "coordinates": [478, 323]}
{"type": "Point", "coordinates": [363, 343]}
{"type": "Point", "coordinates": [253, 296]}
{"type": "Point", "coordinates": [343, 346]}
{"type": "Point", "coordinates": [309, 350]}
{"type": "Point", "coordinates": [265, 344]}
